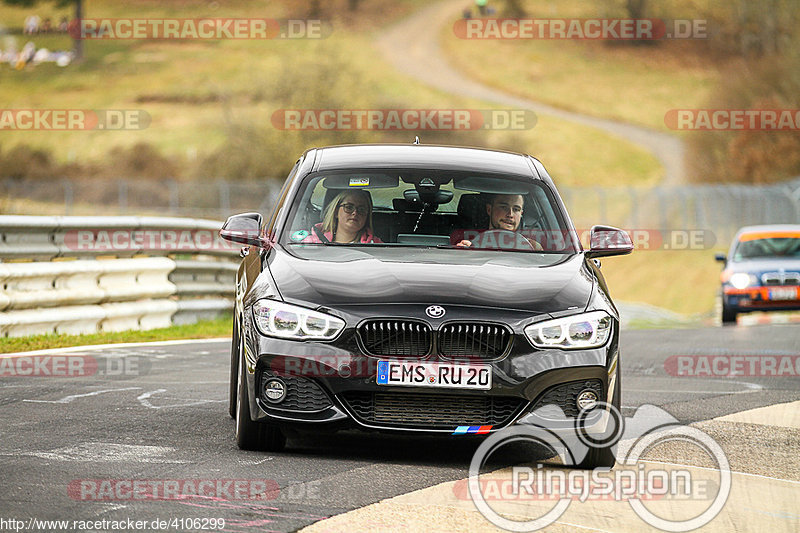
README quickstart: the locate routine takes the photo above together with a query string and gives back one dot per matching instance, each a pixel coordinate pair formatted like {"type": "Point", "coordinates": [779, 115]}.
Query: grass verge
{"type": "Point", "coordinates": [636, 84]}
{"type": "Point", "coordinates": [218, 97]}
{"type": "Point", "coordinates": [205, 329]}
{"type": "Point", "coordinates": [683, 281]}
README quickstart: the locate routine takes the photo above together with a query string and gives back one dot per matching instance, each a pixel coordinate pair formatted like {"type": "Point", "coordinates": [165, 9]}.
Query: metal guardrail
{"type": "Point", "coordinates": [87, 274]}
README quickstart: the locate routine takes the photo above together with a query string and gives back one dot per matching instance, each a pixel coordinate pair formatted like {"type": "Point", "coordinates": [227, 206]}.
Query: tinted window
{"type": "Point", "coordinates": [427, 209]}
{"type": "Point", "coordinates": [770, 247]}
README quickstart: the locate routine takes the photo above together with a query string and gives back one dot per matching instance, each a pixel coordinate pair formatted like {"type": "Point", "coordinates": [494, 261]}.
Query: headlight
{"type": "Point", "coordinates": [278, 319]}
{"type": "Point", "coordinates": [587, 330]}
{"type": "Point", "coordinates": [741, 280]}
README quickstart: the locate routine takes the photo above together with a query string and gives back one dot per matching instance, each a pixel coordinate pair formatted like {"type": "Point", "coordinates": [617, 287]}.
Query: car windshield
{"type": "Point", "coordinates": [751, 246]}
{"type": "Point", "coordinates": [428, 209]}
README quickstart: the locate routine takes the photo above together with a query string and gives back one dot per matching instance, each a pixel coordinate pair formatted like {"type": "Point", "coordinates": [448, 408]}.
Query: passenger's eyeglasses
{"type": "Point", "coordinates": [352, 208]}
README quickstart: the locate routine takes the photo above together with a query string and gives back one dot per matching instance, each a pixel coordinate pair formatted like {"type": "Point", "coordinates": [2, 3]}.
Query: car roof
{"type": "Point", "coordinates": [419, 156]}
{"type": "Point", "coordinates": [768, 228]}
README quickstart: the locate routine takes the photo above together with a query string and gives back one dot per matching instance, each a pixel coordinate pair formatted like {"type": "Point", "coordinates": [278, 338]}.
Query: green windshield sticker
{"type": "Point", "coordinates": [299, 235]}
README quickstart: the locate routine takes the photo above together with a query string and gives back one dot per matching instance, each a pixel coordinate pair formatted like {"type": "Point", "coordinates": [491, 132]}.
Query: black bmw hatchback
{"type": "Point", "coordinates": [413, 288]}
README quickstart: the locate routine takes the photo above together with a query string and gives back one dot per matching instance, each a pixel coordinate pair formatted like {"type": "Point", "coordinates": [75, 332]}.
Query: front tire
{"type": "Point", "coordinates": [234, 374]}
{"type": "Point", "coordinates": [253, 435]}
{"type": "Point", "coordinates": [605, 456]}
{"type": "Point", "coordinates": [728, 315]}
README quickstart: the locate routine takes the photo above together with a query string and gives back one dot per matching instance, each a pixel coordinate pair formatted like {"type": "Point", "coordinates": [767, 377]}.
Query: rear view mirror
{"type": "Point", "coordinates": [722, 258]}
{"type": "Point", "coordinates": [244, 229]}
{"type": "Point", "coordinates": [434, 197]}
{"type": "Point", "coordinates": [605, 241]}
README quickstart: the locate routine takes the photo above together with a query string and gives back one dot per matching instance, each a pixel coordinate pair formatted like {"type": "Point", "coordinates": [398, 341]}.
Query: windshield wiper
{"type": "Point", "coordinates": [531, 250]}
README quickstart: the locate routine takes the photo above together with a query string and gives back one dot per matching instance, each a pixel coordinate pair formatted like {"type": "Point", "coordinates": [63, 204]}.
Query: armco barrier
{"type": "Point", "coordinates": [88, 274]}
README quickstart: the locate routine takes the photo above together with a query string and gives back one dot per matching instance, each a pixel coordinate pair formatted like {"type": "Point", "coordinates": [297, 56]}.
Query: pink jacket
{"type": "Point", "coordinates": [366, 237]}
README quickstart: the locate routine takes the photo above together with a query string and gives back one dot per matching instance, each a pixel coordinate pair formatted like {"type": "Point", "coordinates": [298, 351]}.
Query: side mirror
{"type": "Point", "coordinates": [244, 229]}
{"type": "Point", "coordinates": [722, 258]}
{"type": "Point", "coordinates": [605, 241]}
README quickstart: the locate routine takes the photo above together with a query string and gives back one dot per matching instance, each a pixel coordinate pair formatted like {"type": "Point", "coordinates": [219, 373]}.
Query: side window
{"type": "Point", "coordinates": [540, 215]}
{"type": "Point", "coordinates": [270, 227]}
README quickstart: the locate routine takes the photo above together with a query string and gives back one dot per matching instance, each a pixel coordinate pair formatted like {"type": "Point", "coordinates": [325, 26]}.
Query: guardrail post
{"type": "Point", "coordinates": [633, 217]}
{"type": "Point", "coordinates": [174, 197]}
{"type": "Point", "coordinates": [601, 204]}
{"type": "Point", "coordinates": [123, 196]}
{"type": "Point", "coordinates": [68, 195]}
{"type": "Point", "coordinates": [224, 198]}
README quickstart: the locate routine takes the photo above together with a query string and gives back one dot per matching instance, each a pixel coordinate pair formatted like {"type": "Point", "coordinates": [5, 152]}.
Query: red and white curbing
{"type": "Point", "coordinates": [759, 319]}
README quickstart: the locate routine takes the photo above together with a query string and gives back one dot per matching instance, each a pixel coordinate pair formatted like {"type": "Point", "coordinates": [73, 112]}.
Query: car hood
{"type": "Point", "coordinates": [765, 265]}
{"type": "Point", "coordinates": [328, 276]}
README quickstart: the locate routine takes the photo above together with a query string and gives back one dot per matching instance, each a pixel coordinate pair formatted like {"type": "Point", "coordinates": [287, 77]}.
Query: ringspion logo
{"type": "Point", "coordinates": [635, 478]}
{"type": "Point", "coordinates": [74, 119]}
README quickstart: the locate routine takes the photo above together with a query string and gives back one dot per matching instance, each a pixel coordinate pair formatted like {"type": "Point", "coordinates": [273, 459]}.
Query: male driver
{"type": "Point", "coordinates": [505, 213]}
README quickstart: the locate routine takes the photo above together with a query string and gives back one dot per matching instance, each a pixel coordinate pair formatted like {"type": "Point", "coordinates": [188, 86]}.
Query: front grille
{"type": "Point", "coordinates": [564, 396]}
{"type": "Point", "coordinates": [302, 394]}
{"type": "Point", "coordinates": [485, 341]}
{"type": "Point", "coordinates": [781, 278]}
{"type": "Point", "coordinates": [431, 411]}
{"type": "Point", "coordinates": [408, 338]}
{"type": "Point", "coordinates": [396, 338]}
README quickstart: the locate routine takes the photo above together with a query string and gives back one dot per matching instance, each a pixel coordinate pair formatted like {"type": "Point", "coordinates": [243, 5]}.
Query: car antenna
{"type": "Point", "coordinates": [416, 139]}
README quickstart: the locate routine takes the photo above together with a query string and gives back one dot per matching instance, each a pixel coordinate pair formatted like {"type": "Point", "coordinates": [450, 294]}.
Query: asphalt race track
{"type": "Point", "coordinates": [157, 414]}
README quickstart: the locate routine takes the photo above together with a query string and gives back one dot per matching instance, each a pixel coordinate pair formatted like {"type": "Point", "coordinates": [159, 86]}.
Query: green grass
{"type": "Point", "coordinates": [239, 84]}
{"type": "Point", "coordinates": [205, 329]}
{"type": "Point", "coordinates": [243, 82]}
{"type": "Point", "coordinates": [636, 84]}
{"type": "Point", "coordinates": [685, 281]}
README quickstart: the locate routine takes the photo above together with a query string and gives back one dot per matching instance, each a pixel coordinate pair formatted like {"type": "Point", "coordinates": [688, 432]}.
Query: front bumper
{"type": "Point", "coordinates": [334, 388]}
{"type": "Point", "coordinates": [758, 299]}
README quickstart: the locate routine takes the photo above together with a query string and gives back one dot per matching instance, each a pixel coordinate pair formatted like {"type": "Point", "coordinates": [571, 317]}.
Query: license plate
{"type": "Point", "coordinates": [783, 293]}
{"type": "Point", "coordinates": [442, 375]}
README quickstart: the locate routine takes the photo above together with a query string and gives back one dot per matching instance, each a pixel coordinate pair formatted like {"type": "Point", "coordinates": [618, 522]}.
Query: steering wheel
{"type": "Point", "coordinates": [503, 239]}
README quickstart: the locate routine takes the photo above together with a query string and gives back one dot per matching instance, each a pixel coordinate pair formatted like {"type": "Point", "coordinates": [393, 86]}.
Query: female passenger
{"type": "Point", "coordinates": [347, 219]}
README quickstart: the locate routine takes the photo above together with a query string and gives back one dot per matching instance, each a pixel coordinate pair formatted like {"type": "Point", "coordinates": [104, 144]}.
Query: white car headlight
{"type": "Point", "coordinates": [278, 319]}
{"type": "Point", "coordinates": [586, 330]}
{"type": "Point", "coordinates": [741, 280]}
